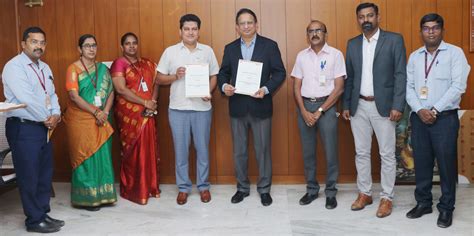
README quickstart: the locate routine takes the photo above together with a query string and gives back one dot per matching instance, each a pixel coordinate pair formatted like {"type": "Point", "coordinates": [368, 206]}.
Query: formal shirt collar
{"type": "Point", "coordinates": [242, 42]}
{"type": "Point", "coordinates": [442, 46]}
{"type": "Point", "coordinates": [198, 46]}
{"type": "Point", "coordinates": [27, 61]}
{"type": "Point", "coordinates": [325, 49]}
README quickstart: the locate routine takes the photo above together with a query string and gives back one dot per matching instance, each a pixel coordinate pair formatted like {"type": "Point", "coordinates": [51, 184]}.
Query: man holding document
{"type": "Point", "coordinates": [251, 71]}
{"type": "Point", "coordinates": [191, 69]}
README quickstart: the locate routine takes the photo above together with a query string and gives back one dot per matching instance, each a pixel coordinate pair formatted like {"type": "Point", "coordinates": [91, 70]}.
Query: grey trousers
{"type": "Point", "coordinates": [262, 133]}
{"type": "Point", "coordinates": [364, 123]}
{"type": "Point", "coordinates": [327, 126]}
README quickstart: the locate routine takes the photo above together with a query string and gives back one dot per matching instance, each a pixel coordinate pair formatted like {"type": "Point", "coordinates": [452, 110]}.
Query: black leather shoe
{"type": "Point", "coordinates": [308, 198]}
{"type": "Point", "coordinates": [445, 219]}
{"type": "Point", "coordinates": [239, 196]}
{"type": "Point", "coordinates": [54, 222]}
{"type": "Point", "coordinates": [331, 202]}
{"type": "Point", "coordinates": [418, 211]}
{"type": "Point", "coordinates": [43, 227]}
{"type": "Point", "coordinates": [266, 199]}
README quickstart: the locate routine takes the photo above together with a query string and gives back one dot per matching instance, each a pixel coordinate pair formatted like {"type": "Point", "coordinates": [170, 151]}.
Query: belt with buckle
{"type": "Point", "coordinates": [448, 112]}
{"type": "Point", "coordinates": [314, 99]}
{"type": "Point", "coordinates": [367, 98]}
{"type": "Point", "coordinates": [21, 120]}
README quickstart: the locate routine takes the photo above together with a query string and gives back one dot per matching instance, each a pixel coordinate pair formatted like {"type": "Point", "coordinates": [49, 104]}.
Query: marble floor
{"type": "Point", "coordinates": [219, 217]}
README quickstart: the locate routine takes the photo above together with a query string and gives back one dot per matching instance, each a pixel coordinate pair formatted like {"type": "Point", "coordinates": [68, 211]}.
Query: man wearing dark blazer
{"type": "Point", "coordinates": [374, 99]}
{"type": "Point", "coordinates": [253, 111]}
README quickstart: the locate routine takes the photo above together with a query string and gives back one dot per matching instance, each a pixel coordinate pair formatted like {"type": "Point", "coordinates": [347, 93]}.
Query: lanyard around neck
{"type": "Point", "coordinates": [94, 82]}
{"type": "Point", "coordinates": [42, 82]}
{"type": "Point", "coordinates": [428, 69]}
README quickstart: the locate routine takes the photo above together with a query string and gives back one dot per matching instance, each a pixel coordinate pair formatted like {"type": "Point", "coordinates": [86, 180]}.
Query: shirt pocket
{"type": "Point", "coordinates": [443, 71]}
{"type": "Point", "coordinates": [329, 71]}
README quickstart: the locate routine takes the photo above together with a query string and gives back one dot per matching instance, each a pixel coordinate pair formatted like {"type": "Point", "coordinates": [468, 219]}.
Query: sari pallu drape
{"type": "Point", "coordinates": [90, 146]}
{"type": "Point", "coordinates": [139, 177]}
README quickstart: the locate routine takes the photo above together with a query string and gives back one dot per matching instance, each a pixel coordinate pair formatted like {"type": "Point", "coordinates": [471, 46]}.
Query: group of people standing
{"type": "Point", "coordinates": [374, 81]}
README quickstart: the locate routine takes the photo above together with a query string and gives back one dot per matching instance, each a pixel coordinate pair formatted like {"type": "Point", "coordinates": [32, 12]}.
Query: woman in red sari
{"type": "Point", "coordinates": [135, 105]}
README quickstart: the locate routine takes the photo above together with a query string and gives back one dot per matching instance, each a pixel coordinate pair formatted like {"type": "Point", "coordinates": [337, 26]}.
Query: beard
{"type": "Point", "coordinates": [367, 26]}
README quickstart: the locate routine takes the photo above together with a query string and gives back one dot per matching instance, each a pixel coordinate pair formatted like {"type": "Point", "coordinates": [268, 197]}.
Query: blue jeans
{"type": "Point", "coordinates": [183, 123]}
{"type": "Point", "coordinates": [437, 141]}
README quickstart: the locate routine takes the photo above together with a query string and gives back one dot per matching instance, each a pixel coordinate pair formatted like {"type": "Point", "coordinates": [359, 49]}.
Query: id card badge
{"type": "Point", "coordinates": [144, 86]}
{"type": "Point", "coordinates": [424, 93]}
{"type": "Point", "coordinates": [322, 80]}
{"type": "Point", "coordinates": [97, 101]}
{"type": "Point", "coordinates": [48, 103]}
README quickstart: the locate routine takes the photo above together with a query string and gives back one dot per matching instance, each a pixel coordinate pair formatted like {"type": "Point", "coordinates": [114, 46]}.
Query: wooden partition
{"type": "Point", "coordinates": [156, 24]}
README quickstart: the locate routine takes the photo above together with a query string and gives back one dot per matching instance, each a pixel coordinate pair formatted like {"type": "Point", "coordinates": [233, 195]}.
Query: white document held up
{"type": "Point", "coordinates": [249, 74]}
{"type": "Point", "coordinates": [5, 106]}
{"type": "Point", "coordinates": [197, 80]}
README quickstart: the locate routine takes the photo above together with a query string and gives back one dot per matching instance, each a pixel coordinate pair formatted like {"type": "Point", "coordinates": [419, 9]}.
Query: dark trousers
{"type": "Point", "coordinates": [32, 158]}
{"type": "Point", "coordinates": [327, 126]}
{"type": "Point", "coordinates": [437, 141]}
{"type": "Point", "coordinates": [262, 133]}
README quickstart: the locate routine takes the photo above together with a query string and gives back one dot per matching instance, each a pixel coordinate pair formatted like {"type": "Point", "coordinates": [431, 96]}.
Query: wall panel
{"type": "Point", "coordinates": [105, 29]}
{"type": "Point", "coordinates": [83, 16]}
{"type": "Point", "coordinates": [68, 53]}
{"type": "Point", "coordinates": [172, 11]}
{"type": "Point", "coordinates": [298, 15]}
{"type": "Point", "coordinates": [128, 18]}
{"type": "Point", "coordinates": [8, 25]}
{"type": "Point", "coordinates": [156, 22]}
{"type": "Point", "coordinates": [450, 9]}
{"type": "Point", "coordinates": [223, 32]}
{"type": "Point", "coordinates": [273, 24]}
{"type": "Point", "coordinates": [399, 20]}
{"type": "Point", "coordinates": [468, 98]}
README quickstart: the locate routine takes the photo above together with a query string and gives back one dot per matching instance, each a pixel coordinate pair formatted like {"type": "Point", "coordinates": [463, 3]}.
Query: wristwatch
{"type": "Point", "coordinates": [320, 109]}
{"type": "Point", "coordinates": [435, 112]}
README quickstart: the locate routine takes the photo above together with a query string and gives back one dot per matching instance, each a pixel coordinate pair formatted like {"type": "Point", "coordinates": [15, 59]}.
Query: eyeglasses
{"type": "Point", "coordinates": [243, 23]}
{"type": "Point", "coordinates": [315, 31]}
{"type": "Point", "coordinates": [90, 46]}
{"type": "Point", "coordinates": [427, 29]}
{"type": "Point", "coordinates": [37, 42]}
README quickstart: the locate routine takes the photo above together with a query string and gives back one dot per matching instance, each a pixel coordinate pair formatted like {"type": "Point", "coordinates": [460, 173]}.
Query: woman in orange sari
{"type": "Point", "coordinates": [135, 105]}
{"type": "Point", "coordinates": [91, 97]}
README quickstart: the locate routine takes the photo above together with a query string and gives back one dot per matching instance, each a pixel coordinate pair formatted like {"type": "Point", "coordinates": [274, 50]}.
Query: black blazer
{"type": "Point", "coordinates": [273, 75]}
{"type": "Point", "coordinates": [389, 71]}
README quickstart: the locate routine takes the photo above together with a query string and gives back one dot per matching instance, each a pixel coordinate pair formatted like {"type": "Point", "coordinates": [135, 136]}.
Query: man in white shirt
{"type": "Point", "coordinates": [189, 116]}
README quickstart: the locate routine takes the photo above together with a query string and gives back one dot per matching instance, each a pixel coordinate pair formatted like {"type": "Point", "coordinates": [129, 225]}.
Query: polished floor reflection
{"type": "Point", "coordinates": [219, 217]}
